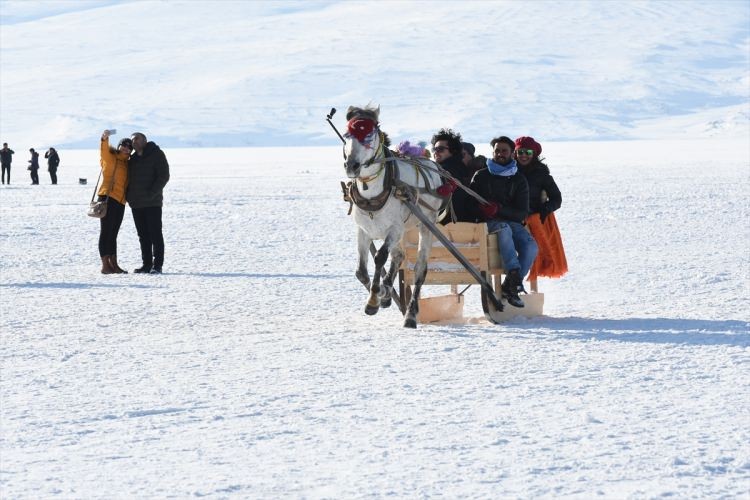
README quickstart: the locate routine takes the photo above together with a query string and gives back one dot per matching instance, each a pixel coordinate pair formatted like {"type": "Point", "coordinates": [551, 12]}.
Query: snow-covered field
{"type": "Point", "coordinates": [249, 370]}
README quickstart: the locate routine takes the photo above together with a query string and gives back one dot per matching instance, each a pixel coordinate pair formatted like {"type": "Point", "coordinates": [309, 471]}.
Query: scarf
{"type": "Point", "coordinates": [503, 170]}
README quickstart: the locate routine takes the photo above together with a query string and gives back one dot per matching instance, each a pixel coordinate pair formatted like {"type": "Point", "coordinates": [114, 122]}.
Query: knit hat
{"type": "Point", "coordinates": [469, 148]}
{"type": "Point", "coordinates": [525, 142]}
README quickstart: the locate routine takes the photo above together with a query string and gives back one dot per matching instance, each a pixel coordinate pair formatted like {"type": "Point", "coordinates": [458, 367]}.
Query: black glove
{"type": "Point", "coordinates": [543, 213]}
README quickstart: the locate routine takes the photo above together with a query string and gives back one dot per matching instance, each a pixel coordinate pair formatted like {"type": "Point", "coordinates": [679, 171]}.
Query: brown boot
{"type": "Point", "coordinates": [115, 266]}
{"type": "Point", "coordinates": [106, 266]}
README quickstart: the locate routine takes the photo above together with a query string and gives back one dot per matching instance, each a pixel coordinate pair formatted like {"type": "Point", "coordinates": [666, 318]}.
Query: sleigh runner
{"type": "Point", "coordinates": [481, 251]}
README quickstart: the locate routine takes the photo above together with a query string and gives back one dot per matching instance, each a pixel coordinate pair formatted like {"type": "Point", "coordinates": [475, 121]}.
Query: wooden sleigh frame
{"type": "Point", "coordinates": [481, 250]}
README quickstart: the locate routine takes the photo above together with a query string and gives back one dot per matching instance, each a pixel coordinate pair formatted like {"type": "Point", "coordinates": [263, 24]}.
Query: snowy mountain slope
{"type": "Point", "coordinates": [265, 73]}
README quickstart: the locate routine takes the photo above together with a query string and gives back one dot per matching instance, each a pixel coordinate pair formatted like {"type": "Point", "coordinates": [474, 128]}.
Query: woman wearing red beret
{"type": "Point", "coordinates": [544, 199]}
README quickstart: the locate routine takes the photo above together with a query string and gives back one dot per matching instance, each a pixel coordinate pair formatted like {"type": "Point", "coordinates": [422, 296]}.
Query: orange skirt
{"type": "Point", "coordinates": [550, 262]}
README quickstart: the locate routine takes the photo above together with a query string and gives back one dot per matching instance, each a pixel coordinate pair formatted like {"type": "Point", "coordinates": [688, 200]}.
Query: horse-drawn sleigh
{"type": "Point", "coordinates": [396, 202]}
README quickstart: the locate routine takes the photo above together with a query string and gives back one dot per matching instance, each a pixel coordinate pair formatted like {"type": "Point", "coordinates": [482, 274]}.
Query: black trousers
{"type": "Point", "coordinates": [34, 175]}
{"type": "Point", "coordinates": [53, 176]}
{"type": "Point", "coordinates": [6, 167]}
{"type": "Point", "coordinates": [148, 224]}
{"type": "Point", "coordinates": [110, 227]}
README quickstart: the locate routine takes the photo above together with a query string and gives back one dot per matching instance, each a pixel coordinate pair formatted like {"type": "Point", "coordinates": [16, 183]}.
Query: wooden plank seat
{"type": "Point", "coordinates": [481, 249]}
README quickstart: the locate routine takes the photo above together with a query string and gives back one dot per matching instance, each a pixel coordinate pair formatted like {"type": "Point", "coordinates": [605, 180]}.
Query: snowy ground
{"type": "Point", "coordinates": [250, 370]}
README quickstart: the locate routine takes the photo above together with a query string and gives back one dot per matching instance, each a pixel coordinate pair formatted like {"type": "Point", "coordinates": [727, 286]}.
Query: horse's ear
{"type": "Point", "coordinates": [376, 112]}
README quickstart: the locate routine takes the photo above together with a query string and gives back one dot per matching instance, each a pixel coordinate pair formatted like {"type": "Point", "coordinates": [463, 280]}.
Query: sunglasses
{"type": "Point", "coordinates": [440, 149]}
{"type": "Point", "coordinates": [528, 152]}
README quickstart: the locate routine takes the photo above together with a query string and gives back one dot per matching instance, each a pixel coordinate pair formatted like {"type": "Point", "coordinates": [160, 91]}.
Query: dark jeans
{"type": "Point", "coordinates": [53, 176]}
{"type": "Point", "coordinates": [110, 227]}
{"type": "Point", "coordinates": [6, 167]}
{"type": "Point", "coordinates": [148, 224]}
{"type": "Point", "coordinates": [34, 175]}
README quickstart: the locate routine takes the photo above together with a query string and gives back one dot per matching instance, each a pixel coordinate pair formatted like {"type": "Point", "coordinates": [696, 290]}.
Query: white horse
{"type": "Point", "coordinates": [380, 182]}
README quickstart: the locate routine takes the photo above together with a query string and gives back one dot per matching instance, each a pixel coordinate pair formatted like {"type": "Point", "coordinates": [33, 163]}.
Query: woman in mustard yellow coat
{"type": "Point", "coordinates": [114, 183]}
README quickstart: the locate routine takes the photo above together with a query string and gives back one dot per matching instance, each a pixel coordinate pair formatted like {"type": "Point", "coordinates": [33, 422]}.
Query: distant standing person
{"type": "Point", "coordinates": [53, 160]}
{"type": "Point", "coordinates": [149, 173]}
{"type": "Point", "coordinates": [6, 158]}
{"type": "Point", "coordinates": [114, 164]}
{"type": "Point", "coordinates": [34, 166]}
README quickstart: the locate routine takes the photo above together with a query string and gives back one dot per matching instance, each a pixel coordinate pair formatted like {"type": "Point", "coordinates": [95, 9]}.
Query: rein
{"type": "Point", "coordinates": [373, 161]}
{"type": "Point", "coordinates": [352, 194]}
{"type": "Point", "coordinates": [436, 168]}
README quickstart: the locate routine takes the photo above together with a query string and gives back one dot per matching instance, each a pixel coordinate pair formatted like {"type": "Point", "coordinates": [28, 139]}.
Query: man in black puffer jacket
{"type": "Point", "coordinates": [447, 150]}
{"type": "Point", "coordinates": [508, 193]}
{"type": "Point", "coordinates": [148, 173]}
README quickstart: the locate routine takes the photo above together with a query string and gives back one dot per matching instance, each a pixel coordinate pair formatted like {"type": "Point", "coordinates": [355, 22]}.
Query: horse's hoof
{"type": "Point", "coordinates": [410, 323]}
{"type": "Point", "coordinates": [385, 302]}
{"type": "Point", "coordinates": [370, 310]}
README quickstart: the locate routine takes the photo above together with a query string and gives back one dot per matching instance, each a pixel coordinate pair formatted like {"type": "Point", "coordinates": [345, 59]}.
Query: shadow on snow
{"type": "Point", "coordinates": [75, 285]}
{"type": "Point", "coordinates": [648, 330]}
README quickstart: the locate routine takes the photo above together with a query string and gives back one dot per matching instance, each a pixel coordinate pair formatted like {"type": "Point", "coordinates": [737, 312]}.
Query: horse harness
{"type": "Point", "coordinates": [392, 185]}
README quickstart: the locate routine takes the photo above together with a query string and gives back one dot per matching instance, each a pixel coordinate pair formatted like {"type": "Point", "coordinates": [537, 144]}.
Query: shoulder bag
{"type": "Point", "coordinates": [98, 208]}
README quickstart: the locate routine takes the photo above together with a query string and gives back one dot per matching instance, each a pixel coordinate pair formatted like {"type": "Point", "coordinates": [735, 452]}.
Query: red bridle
{"type": "Point", "coordinates": [360, 128]}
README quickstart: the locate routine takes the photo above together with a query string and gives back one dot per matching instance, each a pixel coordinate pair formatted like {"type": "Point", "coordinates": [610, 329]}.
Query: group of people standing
{"type": "Point", "coordinates": [135, 172]}
{"type": "Point", "coordinates": [53, 160]}
{"type": "Point", "coordinates": [521, 200]}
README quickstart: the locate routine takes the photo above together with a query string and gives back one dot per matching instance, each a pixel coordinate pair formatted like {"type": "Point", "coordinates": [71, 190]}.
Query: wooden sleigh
{"type": "Point", "coordinates": [481, 250]}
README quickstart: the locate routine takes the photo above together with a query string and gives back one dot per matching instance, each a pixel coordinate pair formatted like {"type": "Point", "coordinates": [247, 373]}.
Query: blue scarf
{"type": "Point", "coordinates": [504, 170]}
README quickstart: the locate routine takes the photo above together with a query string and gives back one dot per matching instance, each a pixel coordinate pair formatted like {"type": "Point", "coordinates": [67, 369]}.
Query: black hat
{"type": "Point", "coordinates": [125, 142]}
{"type": "Point", "coordinates": [468, 147]}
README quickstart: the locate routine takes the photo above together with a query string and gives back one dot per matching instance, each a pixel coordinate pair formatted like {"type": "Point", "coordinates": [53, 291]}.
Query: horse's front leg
{"type": "Point", "coordinates": [397, 257]}
{"type": "Point", "coordinates": [420, 273]}
{"type": "Point", "coordinates": [363, 247]}
{"type": "Point", "coordinates": [376, 293]}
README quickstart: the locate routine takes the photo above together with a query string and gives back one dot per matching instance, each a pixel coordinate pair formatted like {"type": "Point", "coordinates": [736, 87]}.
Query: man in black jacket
{"type": "Point", "coordinates": [508, 193]}
{"type": "Point", "coordinates": [148, 173]}
{"type": "Point", "coordinates": [6, 158]}
{"type": "Point", "coordinates": [34, 166]}
{"type": "Point", "coordinates": [53, 160]}
{"type": "Point", "coordinates": [448, 150]}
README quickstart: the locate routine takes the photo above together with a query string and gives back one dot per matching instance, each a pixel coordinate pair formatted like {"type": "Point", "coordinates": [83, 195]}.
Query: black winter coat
{"type": "Point", "coordinates": [34, 161]}
{"type": "Point", "coordinates": [510, 192]}
{"type": "Point", "coordinates": [6, 156]}
{"type": "Point", "coordinates": [53, 160]}
{"type": "Point", "coordinates": [462, 204]}
{"type": "Point", "coordinates": [147, 175]}
{"type": "Point", "coordinates": [538, 177]}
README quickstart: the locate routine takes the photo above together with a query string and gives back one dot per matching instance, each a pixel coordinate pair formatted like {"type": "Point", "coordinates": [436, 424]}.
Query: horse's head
{"type": "Point", "coordinates": [363, 139]}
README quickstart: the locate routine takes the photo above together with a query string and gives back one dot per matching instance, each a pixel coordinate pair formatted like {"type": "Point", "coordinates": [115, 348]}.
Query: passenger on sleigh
{"type": "Point", "coordinates": [507, 192]}
{"type": "Point", "coordinates": [472, 162]}
{"type": "Point", "coordinates": [448, 150]}
{"type": "Point", "coordinates": [406, 149]}
{"type": "Point", "coordinates": [544, 199]}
